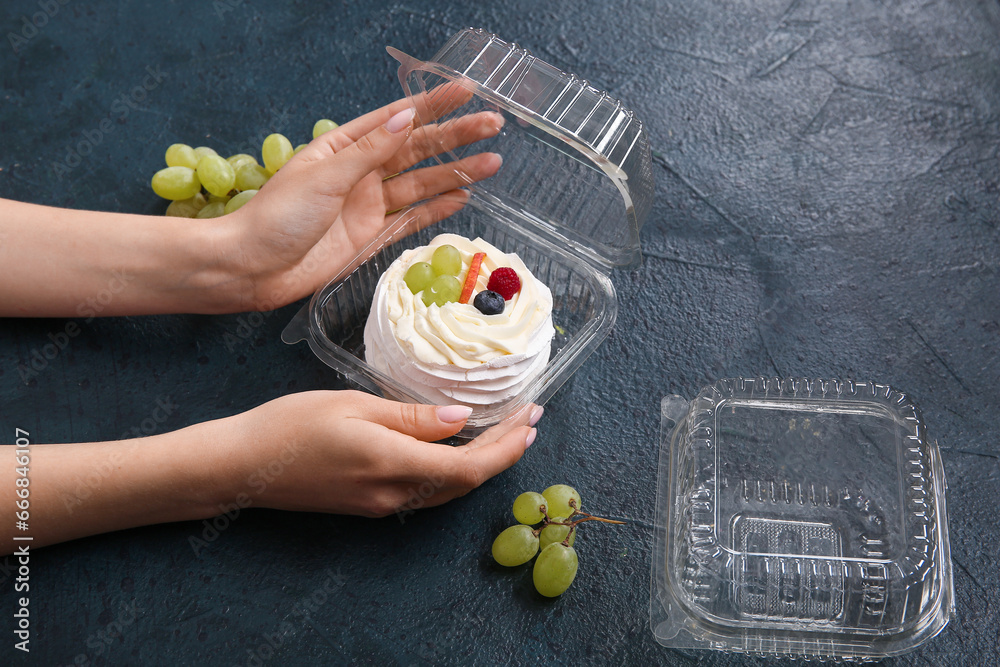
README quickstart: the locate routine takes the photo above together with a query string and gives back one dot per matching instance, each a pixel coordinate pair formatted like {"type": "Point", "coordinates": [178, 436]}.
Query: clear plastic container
{"type": "Point", "coordinates": [570, 198]}
{"type": "Point", "coordinates": [799, 518]}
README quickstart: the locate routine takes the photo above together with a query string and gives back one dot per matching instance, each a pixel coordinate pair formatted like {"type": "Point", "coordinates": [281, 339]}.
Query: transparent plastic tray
{"type": "Point", "coordinates": [799, 518]}
{"type": "Point", "coordinates": [572, 193]}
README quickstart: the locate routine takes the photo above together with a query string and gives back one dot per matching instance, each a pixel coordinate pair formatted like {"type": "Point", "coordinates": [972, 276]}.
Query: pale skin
{"type": "Point", "coordinates": [340, 452]}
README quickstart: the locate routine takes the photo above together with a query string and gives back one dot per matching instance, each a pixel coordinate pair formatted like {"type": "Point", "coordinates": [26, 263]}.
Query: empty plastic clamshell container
{"type": "Point", "coordinates": [572, 193]}
{"type": "Point", "coordinates": [799, 518]}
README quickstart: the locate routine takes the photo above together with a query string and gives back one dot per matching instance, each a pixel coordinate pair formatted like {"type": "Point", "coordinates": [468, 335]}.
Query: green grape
{"type": "Point", "coordinates": [276, 151]}
{"type": "Point", "coordinates": [298, 148]}
{"type": "Point", "coordinates": [250, 176]}
{"type": "Point", "coordinates": [213, 210]}
{"type": "Point", "coordinates": [186, 208]}
{"type": "Point", "coordinates": [181, 155]}
{"type": "Point", "coordinates": [176, 183]}
{"type": "Point", "coordinates": [447, 261]}
{"type": "Point", "coordinates": [555, 570]}
{"type": "Point", "coordinates": [442, 290]}
{"type": "Point", "coordinates": [239, 200]}
{"type": "Point", "coordinates": [419, 276]}
{"type": "Point", "coordinates": [240, 158]}
{"type": "Point", "coordinates": [202, 151]}
{"type": "Point", "coordinates": [553, 532]}
{"type": "Point", "coordinates": [216, 175]}
{"type": "Point", "coordinates": [214, 198]}
{"type": "Point", "coordinates": [323, 126]}
{"type": "Point", "coordinates": [527, 507]}
{"type": "Point", "coordinates": [515, 546]}
{"type": "Point", "coordinates": [559, 496]}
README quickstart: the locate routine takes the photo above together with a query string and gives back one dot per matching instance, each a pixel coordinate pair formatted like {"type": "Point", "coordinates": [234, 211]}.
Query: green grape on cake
{"type": "Point", "coordinates": [446, 261]}
{"type": "Point", "coordinates": [443, 290]}
{"type": "Point", "coordinates": [419, 276]}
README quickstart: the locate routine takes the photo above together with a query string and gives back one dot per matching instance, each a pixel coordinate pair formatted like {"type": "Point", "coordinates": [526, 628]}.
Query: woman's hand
{"type": "Point", "coordinates": [353, 453]}
{"type": "Point", "coordinates": [329, 201]}
{"type": "Point", "coordinates": [325, 451]}
{"type": "Point", "coordinates": [306, 224]}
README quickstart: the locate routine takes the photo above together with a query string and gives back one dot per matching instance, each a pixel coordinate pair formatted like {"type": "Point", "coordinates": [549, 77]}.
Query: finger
{"type": "Point", "coordinates": [459, 469]}
{"type": "Point", "coordinates": [370, 151]}
{"type": "Point", "coordinates": [440, 473]}
{"type": "Point", "coordinates": [441, 100]}
{"type": "Point", "coordinates": [362, 125]}
{"type": "Point", "coordinates": [422, 422]}
{"type": "Point", "coordinates": [430, 211]}
{"type": "Point", "coordinates": [411, 220]}
{"type": "Point", "coordinates": [433, 139]}
{"type": "Point", "coordinates": [469, 466]}
{"type": "Point", "coordinates": [429, 105]}
{"type": "Point", "coordinates": [419, 184]}
{"type": "Point", "coordinates": [527, 415]}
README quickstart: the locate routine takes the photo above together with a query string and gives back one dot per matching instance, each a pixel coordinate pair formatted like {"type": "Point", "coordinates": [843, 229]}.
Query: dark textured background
{"type": "Point", "coordinates": [827, 186]}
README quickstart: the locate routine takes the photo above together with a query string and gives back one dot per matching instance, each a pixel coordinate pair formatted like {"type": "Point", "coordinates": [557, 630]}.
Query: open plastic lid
{"type": "Point", "coordinates": [576, 162]}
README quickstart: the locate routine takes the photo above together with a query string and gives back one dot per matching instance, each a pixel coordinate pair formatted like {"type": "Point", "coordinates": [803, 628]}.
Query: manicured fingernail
{"type": "Point", "coordinates": [531, 437]}
{"type": "Point", "coordinates": [454, 413]}
{"type": "Point", "coordinates": [400, 121]}
{"type": "Point", "coordinates": [536, 415]}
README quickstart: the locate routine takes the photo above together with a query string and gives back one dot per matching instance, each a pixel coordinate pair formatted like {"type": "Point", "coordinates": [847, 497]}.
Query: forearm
{"type": "Point", "coordinates": [85, 489]}
{"type": "Point", "coordinates": [70, 263]}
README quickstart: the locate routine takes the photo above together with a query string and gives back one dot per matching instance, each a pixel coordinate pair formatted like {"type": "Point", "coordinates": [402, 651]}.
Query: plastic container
{"type": "Point", "coordinates": [799, 518]}
{"type": "Point", "coordinates": [570, 198]}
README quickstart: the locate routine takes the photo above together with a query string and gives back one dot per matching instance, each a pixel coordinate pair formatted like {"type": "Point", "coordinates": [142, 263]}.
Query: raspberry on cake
{"type": "Point", "coordinates": [504, 281]}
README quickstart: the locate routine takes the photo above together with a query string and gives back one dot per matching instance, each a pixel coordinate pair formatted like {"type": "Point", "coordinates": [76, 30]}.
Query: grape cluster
{"type": "Point", "coordinates": [546, 526]}
{"type": "Point", "coordinates": [438, 280]}
{"type": "Point", "coordinates": [228, 183]}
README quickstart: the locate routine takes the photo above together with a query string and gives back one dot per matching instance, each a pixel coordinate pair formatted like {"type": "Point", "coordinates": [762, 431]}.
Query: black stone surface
{"type": "Point", "coordinates": [827, 206]}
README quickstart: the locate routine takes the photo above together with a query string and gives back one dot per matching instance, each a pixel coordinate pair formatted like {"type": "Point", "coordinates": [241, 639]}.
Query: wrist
{"type": "Point", "coordinates": [215, 459]}
{"type": "Point", "coordinates": [219, 281]}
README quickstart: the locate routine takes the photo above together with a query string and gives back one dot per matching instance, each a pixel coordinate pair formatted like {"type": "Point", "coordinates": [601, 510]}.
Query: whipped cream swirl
{"type": "Point", "coordinates": [454, 353]}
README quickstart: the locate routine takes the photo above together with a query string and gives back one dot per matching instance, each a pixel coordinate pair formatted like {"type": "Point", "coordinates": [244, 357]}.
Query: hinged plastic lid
{"type": "Point", "coordinates": [576, 162]}
{"type": "Point", "coordinates": [800, 517]}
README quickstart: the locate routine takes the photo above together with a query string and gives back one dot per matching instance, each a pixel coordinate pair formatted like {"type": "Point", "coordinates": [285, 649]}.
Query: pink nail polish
{"type": "Point", "coordinates": [400, 121]}
{"type": "Point", "coordinates": [536, 415]}
{"type": "Point", "coordinates": [531, 437]}
{"type": "Point", "coordinates": [453, 413]}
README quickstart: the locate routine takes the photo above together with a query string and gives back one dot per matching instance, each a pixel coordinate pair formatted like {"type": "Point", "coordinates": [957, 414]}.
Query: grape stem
{"type": "Point", "coordinates": [588, 517]}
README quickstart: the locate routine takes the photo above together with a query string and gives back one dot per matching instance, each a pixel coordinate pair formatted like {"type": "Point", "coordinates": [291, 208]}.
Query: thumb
{"type": "Point", "coordinates": [375, 148]}
{"type": "Point", "coordinates": [423, 422]}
